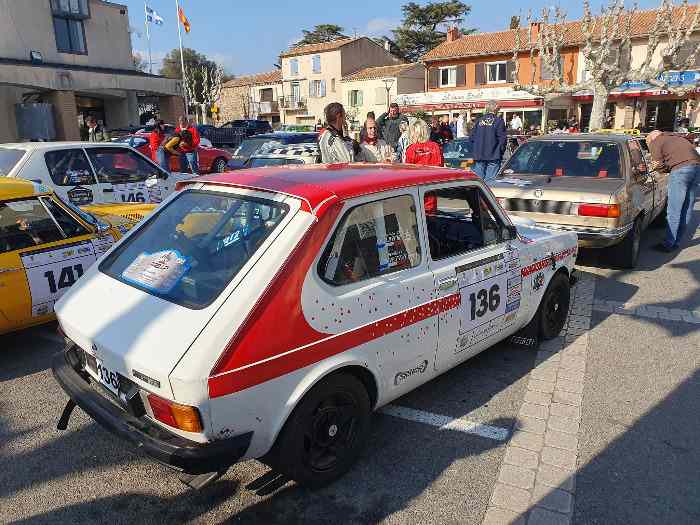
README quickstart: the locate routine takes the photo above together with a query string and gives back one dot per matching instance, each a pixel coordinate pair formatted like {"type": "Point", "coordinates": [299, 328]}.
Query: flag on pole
{"type": "Point", "coordinates": [183, 19]}
{"type": "Point", "coordinates": [153, 17]}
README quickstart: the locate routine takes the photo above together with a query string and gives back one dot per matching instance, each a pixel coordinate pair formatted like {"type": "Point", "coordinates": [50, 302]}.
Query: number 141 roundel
{"type": "Point", "coordinates": [259, 304]}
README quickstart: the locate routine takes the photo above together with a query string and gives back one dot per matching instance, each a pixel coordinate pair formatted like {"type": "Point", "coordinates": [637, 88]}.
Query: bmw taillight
{"type": "Point", "coordinates": [599, 210]}
{"type": "Point", "coordinates": [183, 417]}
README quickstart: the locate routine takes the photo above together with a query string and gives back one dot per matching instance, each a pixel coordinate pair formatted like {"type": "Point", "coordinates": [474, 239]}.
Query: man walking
{"type": "Point", "coordinates": [189, 158]}
{"type": "Point", "coordinates": [334, 145]}
{"type": "Point", "coordinates": [677, 155]}
{"type": "Point", "coordinates": [95, 131]}
{"type": "Point", "coordinates": [388, 125]}
{"type": "Point", "coordinates": [488, 142]}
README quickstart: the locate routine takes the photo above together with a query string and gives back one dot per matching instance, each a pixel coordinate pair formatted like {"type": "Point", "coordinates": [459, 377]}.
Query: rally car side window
{"type": "Point", "coordinates": [372, 239]}
{"type": "Point", "coordinates": [68, 224]}
{"type": "Point", "coordinates": [120, 166]}
{"type": "Point", "coordinates": [459, 220]}
{"type": "Point", "coordinates": [25, 224]}
{"type": "Point", "coordinates": [69, 167]}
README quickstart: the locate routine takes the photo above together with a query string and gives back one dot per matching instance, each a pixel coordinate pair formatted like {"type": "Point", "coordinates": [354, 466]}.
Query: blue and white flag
{"type": "Point", "coordinates": [153, 17]}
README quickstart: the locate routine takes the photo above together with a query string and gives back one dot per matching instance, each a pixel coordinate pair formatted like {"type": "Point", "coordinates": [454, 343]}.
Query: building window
{"type": "Point", "coordinates": [448, 76]}
{"type": "Point", "coordinates": [496, 72]}
{"type": "Point", "coordinates": [70, 35]}
{"type": "Point", "coordinates": [296, 91]}
{"type": "Point", "coordinates": [78, 9]}
{"type": "Point", "coordinates": [355, 98]}
{"type": "Point", "coordinates": [316, 63]}
{"type": "Point", "coordinates": [294, 66]}
{"type": "Point", "coordinates": [317, 88]}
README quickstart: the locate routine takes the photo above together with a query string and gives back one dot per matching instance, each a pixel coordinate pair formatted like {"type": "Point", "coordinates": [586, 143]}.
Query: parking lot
{"type": "Point", "coordinates": [599, 426]}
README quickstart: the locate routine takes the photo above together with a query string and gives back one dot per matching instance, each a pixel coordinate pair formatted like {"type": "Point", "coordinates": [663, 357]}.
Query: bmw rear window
{"type": "Point", "coordinates": [568, 158]}
{"type": "Point", "coordinates": [193, 247]}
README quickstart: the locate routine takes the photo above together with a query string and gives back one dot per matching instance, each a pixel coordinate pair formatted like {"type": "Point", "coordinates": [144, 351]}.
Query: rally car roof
{"type": "Point", "coordinates": [11, 188]}
{"type": "Point", "coordinates": [317, 184]}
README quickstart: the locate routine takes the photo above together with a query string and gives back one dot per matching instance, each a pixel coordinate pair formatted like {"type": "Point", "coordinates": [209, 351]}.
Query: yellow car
{"type": "Point", "coordinates": [46, 245]}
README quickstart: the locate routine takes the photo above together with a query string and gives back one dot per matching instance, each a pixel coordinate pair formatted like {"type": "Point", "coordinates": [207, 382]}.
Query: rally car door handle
{"type": "Point", "coordinates": [446, 284]}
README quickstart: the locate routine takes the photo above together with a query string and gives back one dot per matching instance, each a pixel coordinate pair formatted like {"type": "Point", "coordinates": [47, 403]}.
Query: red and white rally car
{"type": "Point", "coordinates": [265, 313]}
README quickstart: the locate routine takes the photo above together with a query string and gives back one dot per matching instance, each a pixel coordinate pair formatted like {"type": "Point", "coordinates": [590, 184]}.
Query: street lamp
{"type": "Point", "coordinates": [388, 82]}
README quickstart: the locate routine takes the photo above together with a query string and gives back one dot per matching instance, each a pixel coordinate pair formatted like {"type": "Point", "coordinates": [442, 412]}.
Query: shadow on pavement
{"type": "Point", "coordinates": [28, 351]}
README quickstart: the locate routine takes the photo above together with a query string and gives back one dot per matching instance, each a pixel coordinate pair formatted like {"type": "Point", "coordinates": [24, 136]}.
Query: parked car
{"type": "Point", "coordinates": [225, 135]}
{"type": "Point", "coordinates": [266, 142]}
{"type": "Point", "coordinates": [46, 245]}
{"type": "Point", "coordinates": [294, 154]}
{"type": "Point", "coordinates": [458, 153]}
{"type": "Point", "coordinates": [598, 186]}
{"type": "Point", "coordinates": [267, 312]}
{"type": "Point", "coordinates": [211, 159]}
{"type": "Point", "coordinates": [89, 172]}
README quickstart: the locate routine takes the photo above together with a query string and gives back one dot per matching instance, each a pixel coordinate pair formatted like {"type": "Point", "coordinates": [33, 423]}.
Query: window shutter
{"type": "Point", "coordinates": [323, 89]}
{"type": "Point", "coordinates": [312, 89]}
{"type": "Point", "coordinates": [480, 74]}
{"type": "Point", "coordinates": [359, 98]}
{"type": "Point", "coordinates": [461, 75]}
{"type": "Point", "coordinates": [510, 71]}
{"type": "Point", "coordinates": [433, 77]}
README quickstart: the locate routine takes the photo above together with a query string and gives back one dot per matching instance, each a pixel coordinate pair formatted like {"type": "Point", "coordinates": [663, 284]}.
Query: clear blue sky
{"type": "Point", "coordinates": [247, 36]}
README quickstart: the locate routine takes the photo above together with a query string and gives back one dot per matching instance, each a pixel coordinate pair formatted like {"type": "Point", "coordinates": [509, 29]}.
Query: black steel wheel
{"type": "Point", "coordinates": [554, 306]}
{"type": "Point", "coordinates": [325, 433]}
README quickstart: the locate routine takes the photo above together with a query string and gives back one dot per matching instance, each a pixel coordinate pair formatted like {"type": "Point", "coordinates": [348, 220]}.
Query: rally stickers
{"type": "Point", "coordinates": [159, 272]}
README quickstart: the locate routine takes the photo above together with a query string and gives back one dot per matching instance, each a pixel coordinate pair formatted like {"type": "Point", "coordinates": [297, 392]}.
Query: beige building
{"type": "Point", "coordinates": [252, 97]}
{"type": "Point", "coordinates": [312, 74]}
{"type": "Point", "coordinates": [62, 60]}
{"type": "Point", "coordinates": [373, 88]}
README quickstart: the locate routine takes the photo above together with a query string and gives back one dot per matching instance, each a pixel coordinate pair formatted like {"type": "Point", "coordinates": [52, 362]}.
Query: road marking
{"type": "Point", "coordinates": [648, 310]}
{"type": "Point", "coordinates": [459, 424]}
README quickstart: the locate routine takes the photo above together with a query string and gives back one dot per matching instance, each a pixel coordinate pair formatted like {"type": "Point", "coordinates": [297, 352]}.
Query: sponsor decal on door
{"type": "Point", "coordinates": [131, 192]}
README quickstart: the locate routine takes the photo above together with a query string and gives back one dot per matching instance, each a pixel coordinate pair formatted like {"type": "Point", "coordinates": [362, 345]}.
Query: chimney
{"type": "Point", "coordinates": [535, 27]}
{"type": "Point", "coordinates": [387, 45]}
{"type": "Point", "coordinates": [453, 34]}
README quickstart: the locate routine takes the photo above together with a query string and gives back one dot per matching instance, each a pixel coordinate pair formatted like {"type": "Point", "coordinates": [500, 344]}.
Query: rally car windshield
{"type": "Point", "coordinates": [568, 158]}
{"type": "Point", "coordinates": [192, 248]}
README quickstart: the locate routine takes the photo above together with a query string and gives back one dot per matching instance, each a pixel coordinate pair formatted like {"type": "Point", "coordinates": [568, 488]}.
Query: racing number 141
{"type": "Point", "coordinates": [66, 278]}
{"type": "Point", "coordinates": [488, 301]}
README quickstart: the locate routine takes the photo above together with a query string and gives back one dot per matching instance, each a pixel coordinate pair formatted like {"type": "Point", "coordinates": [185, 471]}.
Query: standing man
{"type": "Point", "coordinates": [372, 148]}
{"type": "Point", "coordinates": [388, 125]}
{"type": "Point", "coordinates": [516, 123]}
{"type": "Point", "coordinates": [189, 158]}
{"type": "Point", "coordinates": [95, 132]}
{"type": "Point", "coordinates": [335, 146]}
{"type": "Point", "coordinates": [675, 154]}
{"type": "Point", "coordinates": [488, 142]}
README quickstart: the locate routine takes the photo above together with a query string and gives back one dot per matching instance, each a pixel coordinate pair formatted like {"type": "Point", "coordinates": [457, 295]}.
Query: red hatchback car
{"type": "Point", "coordinates": [211, 159]}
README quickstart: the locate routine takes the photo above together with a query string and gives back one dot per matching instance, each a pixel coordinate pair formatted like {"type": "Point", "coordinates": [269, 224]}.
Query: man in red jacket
{"type": "Point", "coordinates": [189, 157]}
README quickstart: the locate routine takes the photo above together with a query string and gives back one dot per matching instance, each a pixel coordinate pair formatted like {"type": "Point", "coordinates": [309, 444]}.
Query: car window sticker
{"type": "Point", "coordinates": [158, 272]}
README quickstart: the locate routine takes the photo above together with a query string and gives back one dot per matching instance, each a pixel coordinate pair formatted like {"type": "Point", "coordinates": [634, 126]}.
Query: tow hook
{"type": "Point", "coordinates": [65, 416]}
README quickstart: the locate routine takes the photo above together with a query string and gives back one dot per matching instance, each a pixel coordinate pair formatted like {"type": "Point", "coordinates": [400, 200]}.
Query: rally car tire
{"type": "Point", "coordinates": [554, 306]}
{"type": "Point", "coordinates": [325, 433]}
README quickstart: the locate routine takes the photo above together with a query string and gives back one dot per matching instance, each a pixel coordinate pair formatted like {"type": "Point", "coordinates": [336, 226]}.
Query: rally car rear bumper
{"type": "Point", "coordinates": [167, 448]}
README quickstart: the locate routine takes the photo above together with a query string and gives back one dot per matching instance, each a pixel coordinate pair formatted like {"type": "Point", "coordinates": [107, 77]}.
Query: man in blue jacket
{"type": "Point", "coordinates": [488, 142]}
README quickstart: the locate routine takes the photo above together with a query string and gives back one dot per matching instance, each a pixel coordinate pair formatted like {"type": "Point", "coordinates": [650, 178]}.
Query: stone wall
{"type": "Point", "coordinates": [234, 103]}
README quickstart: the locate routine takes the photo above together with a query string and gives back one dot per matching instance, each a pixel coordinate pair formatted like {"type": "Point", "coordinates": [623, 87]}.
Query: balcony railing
{"type": "Point", "coordinates": [292, 103]}
{"type": "Point", "coordinates": [266, 107]}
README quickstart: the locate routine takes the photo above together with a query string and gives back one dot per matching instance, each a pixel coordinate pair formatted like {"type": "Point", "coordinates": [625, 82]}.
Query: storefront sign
{"type": "Point", "coordinates": [465, 96]}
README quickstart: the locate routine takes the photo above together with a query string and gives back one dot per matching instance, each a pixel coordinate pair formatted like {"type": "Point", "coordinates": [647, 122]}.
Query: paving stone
{"type": "Point", "coordinates": [510, 497]}
{"type": "Point", "coordinates": [555, 477]}
{"type": "Point", "coordinates": [498, 516]}
{"type": "Point", "coordinates": [556, 439]}
{"type": "Point", "coordinates": [564, 410]}
{"type": "Point", "coordinates": [569, 398]}
{"type": "Point", "coordinates": [569, 385]}
{"type": "Point", "coordinates": [552, 499]}
{"type": "Point", "coordinates": [547, 373]}
{"type": "Point", "coordinates": [559, 457]}
{"type": "Point", "coordinates": [532, 410]}
{"type": "Point", "coordinates": [563, 424]}
{"type": "Point", "coordinates": [530, 424]}
{"type": "Point", "coordinates": [547, 358]}
{"type": "Point", "coordinates": [541, 386]}
{"type": "Point", "coordinates": [517, 476]}
{"type": "Point", "coordinates": [573, 375]}
{"type": "Point", "coordinates": [521, 457]}
{"type": "Point", "coordinates": [572, 362]}
{"type": "Point", "coordinates": [537, 398]}
{"type": "Point", "coordinates": [540, 516]}
{"type": "Point", "coordinates": [527, 440]}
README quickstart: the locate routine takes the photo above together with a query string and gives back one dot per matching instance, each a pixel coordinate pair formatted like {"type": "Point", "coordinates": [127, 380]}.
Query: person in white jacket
{"type": "Point", "coordinates": [372, 148]}
{"type": "Point", "coordinates": [462, 125]}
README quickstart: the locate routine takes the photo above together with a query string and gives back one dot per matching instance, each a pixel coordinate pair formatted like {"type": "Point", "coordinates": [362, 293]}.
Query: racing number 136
{"type": "Point", "coordinates": [66, 278]}
{"type": "Point", "coordinates": [488, 300]}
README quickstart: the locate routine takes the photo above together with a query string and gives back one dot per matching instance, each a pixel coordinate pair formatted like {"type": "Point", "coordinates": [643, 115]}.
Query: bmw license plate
{"type": "Point", "coordinates": [104, 375]}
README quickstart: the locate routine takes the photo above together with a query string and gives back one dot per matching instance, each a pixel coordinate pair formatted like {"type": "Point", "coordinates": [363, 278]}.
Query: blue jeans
{"type": "Point", "coordinates": [163, 159]}
{"type": "Point", "coordinates": [486, 169]}
{"type": "Point", "coordinates": [681, 199]}
{"type": "Point", "coordinates": [189, 162]}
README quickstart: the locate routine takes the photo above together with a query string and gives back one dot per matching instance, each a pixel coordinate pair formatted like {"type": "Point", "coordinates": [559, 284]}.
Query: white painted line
{"type": "Point", "coordinates": [447, 423]}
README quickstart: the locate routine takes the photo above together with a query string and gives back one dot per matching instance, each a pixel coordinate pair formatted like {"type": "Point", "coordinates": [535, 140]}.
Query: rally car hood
{"type": "Point", "coordinates": [129, 330]}
{"type": "Point", "coordinates": [572, 189]}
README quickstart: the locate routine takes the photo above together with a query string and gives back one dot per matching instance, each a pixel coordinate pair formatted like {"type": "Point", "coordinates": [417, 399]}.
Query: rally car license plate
{"type": "Point", "coordinates": [103, 374]}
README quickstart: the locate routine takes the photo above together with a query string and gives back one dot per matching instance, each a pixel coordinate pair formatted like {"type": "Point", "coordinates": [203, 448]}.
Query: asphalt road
{"type": "Point", "coordinates": [638, 452]}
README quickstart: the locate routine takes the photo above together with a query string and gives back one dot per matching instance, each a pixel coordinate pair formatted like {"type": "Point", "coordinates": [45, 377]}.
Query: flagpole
{"type": "Point", "coordinates": [182, 58]}
{"type": "Point", "coordinates": [148, 37]}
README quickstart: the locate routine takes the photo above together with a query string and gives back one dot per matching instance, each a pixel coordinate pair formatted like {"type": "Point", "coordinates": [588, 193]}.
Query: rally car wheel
{"type": "Point", "coordinates": [219, 166]}
{"type": "Point", "coordinates": [554, 306]}
{"type": "Point", "coordinates": [325, 433]}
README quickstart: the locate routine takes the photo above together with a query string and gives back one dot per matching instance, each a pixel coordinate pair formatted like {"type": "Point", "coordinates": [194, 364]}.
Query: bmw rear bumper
{"type": "Point", "coordinates": [157, 443]}
{"type": "Point", "coordinates": [592, 237]}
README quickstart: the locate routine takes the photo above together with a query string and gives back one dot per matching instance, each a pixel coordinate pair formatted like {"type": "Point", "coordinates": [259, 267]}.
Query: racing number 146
{"type": "Point", "coordinates": [66, 278]}
{"type": "Point", "coordinates": [488, 300]}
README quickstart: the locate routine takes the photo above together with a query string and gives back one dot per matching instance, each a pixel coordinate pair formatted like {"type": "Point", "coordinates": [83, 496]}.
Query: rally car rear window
{"type": "Point", "coordinates": [194, 246]}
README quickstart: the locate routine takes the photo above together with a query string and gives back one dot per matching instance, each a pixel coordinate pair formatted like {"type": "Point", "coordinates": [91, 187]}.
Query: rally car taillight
{"type": "Point", "coordinates": [183, 417]}
{"type": "Point", "coordinates": [599, 210]}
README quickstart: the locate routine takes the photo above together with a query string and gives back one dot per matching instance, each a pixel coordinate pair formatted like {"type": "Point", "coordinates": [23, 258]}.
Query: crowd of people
{"type": "Point", "coordinates": [182, 144]}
